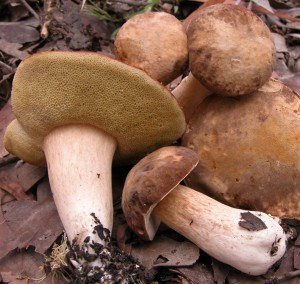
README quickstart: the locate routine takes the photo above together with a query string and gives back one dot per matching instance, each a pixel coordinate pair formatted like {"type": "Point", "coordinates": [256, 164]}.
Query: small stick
{"type": "Point", "coordinates": [285, 276]}
{"type": "Point", "coordinates": [28, 7]}
{"type": "Point", "coordinates": [48, 5]}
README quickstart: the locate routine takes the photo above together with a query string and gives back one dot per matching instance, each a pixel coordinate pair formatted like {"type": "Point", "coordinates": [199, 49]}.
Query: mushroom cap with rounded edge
{"type": "Point", "coordinates": [149, 181]}
{"type": "Point", "coordinates": [18, 142]}
{"type": "Point", "coordinates": [231, 50]}
{"type": "Point", "coordinates": [154, 42]}
{"type": "Point", "coordinates": [57, 88]}
{"type": "Point", "coordinates": [249, 150]}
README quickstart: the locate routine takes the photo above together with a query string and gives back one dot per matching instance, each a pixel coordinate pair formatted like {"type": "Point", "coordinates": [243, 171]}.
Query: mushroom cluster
{"type": "Point", "coordinates": [85, 111]}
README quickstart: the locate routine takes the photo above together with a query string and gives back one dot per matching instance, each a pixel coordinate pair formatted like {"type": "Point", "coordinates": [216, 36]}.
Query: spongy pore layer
{"type": "Point", "coordinates": [52, 89]}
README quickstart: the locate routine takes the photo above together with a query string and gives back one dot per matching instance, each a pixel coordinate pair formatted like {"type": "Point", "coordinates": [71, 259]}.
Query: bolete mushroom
{"type": "Point", "coordinates": [249, 150]}
{"type": "Point", "coordinates": [249, 241]}
{"type": "Point", "coordinates": [154, 42]}
{"type": "Point", "coordinates": [231, 53]}
{"type": "Point", "coordinates": [83, 109]}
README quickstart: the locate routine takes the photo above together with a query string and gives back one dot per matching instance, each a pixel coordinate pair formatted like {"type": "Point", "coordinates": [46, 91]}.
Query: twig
{"type": "Point", "coordinates": [283, 277]}
{"type": "Point", "coordinates": [130, 2]}
{"type": "Point", "coordinates": [7, 67]}
{"type": "Point", "coordinates": [7, 160]}
{"type": "Point", "coordinates": [48, 6]}
{"type": "Point", "coordinates": [28, 7]}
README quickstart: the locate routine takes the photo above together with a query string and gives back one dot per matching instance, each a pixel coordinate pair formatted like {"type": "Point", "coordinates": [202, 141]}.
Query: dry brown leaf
{"type": "Point", "coordinates": [236, 277]}
{"type": "Point", "coordinates": [18, 180]}
{"type": "Point", "coordinates": [19, 32]}
{"type": "Point", "coordinates": [25, 267]}
{"type": "Point", "coordinates": [197, 274]}
{"type": "Point", "coordinates": [164, 251]}
{"type": "Point", "coordinates": [286, 266]}
{"type": "Point", "coordinates": [297, 258]}
{"type": "Point", "coordinates": [29, 223]}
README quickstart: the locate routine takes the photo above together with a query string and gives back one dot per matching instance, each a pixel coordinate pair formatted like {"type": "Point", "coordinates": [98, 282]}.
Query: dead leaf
{"type": "Point", "coordinates": [29, 223]}
{"type": "Point", "coordinates": [297, 258]}
{"type": "Point", "coordinates": [251, 222]}
{"type": "Point", "coordinates": [18, 180]}
{"type": "Point", "coordinates": [164, 251]}
{"type": "Point", "coordinates": [18, 32]}
{"type": "Point", "coordinates": [220, 271]}
{"type": "Point", "coordinates": [264, 3]}
{"type": "Point", "coordinates": [197, 274]}
{"type": "Point", "coordinates": [25, 267]}
{"type": "Point", "coordinates": [236, 277]}
{"type": "Point", "coordinates": [287, 266]}
{"type": "Point", "coordinates": [280, 43]}
{"type": "Point", "coordinates": [13, 49]}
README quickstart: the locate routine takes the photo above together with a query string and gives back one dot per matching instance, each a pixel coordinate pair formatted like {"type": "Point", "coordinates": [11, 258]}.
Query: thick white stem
{"type": "Point", "coordinates": [79, 159]}
{"type": "Point", "coordinates": [189, 94]}
{"type": "Point", "coordinates": [215, 228]}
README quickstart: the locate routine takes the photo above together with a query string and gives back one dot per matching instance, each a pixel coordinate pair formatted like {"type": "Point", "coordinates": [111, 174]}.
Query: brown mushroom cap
{"type": "Point", "coordinates": [231, 50]}
{"type": "Point", "coordinates": [154, 42]}
{"type": "Point", "coordinates": [249, 150]}
{"type": "Point", "coordinates": [149, 181]}
{"type": "Point", "coordinates": [52, 89]}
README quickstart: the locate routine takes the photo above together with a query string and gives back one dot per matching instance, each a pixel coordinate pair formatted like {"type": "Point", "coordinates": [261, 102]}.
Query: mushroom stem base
{"type": "Point", "coordinates": [216, 228]}
{"type": "Point", "coordinates": [79, 159]}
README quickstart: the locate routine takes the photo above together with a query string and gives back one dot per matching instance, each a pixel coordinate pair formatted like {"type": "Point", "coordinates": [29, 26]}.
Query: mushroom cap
{"type": "Point", "coordinates": [149, 181]}
{"type": "Point", "coordinates": [249, 150]}
{"type": "Point", "coordinates": [57, 88]}
{"type": "Point", "coordinates": [155, 42]}
{"type": "Point", "coordinates": [18, 142]}
{"type": "Point", "coordinates": [231, 50]}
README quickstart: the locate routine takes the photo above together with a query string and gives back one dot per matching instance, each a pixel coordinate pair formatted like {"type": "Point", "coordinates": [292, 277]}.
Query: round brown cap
{"type": "Point", "coordinates": [249, 150]}
{"type": "Point", "coordinates": [57, 88]}
{"type": "Point", "coordinates": [155, 42]}
{"type": "Point", "coordinates": [231, 50]}
{"type": "Point", "coordinates": [149, 181]}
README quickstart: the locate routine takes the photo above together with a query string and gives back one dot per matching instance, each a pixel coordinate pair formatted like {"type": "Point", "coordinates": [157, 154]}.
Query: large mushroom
{"type": "Point", "coordinates": [249, 150]}
{"type": "Point", "coordinates": [79, 111]}
{"type": "Point", "coordinates": [231, 53]}
{"type": "Point", "coordinates": [250, 241]}
{"type": "Point", "coordinates": [154, 42]}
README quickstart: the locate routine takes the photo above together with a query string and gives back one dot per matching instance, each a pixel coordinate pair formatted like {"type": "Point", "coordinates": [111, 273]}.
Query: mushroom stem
{"type": "Point", "coordinates": [216, 229]}
{"type": "Point", "coordinates": [189, 94]}
{"type": "Point", "coordinates": [79, 159]}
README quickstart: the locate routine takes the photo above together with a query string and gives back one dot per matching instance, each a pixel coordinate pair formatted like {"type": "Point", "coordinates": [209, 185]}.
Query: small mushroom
{"type": "Point", "coordinates": [154, 42]}
{"type": "Point", "coordinates": [82, 110]}
{"type": "Point", "coordinates": [249, 150]}
{"type": "Point", "coordinates": [249, 241]}
{"type": "Point", "coordinates": [231, 53]}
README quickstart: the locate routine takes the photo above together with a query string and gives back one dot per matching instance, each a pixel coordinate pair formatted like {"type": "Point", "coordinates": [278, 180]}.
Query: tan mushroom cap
{"type": "Point", "coordinates": [231, 50]}
{"type": "Point", "coordinates": [154, 42]}
{"type": "Point", "coordinates": [249, 150]}
{"type": "Point", "coordinates": [149, 181]}
{"type": "Point", "coordinates": [52, 89]}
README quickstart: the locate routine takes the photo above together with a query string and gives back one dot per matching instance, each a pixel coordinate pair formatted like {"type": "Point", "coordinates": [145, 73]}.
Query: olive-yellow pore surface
{"type": "Point", "coordinates": [231, 50]}
{"type": "Point", "coordinates": [52, 89]}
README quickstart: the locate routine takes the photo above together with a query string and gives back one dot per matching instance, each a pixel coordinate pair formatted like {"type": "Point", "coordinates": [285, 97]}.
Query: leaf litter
{"type": "Point", "coordinates": [27, 243]}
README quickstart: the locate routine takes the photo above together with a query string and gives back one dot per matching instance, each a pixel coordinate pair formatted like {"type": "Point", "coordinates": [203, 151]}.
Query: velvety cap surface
{"type": "Point", "coordinates": [58, 88]}
{"type": "Point", "coordinates": [154, 42]}
{"type": "Point", "coordinates": [231, 50]}
{"type": "Point", "coordinates": [149, 181]}
{"type": "Point", "coordinates": [249, 150]}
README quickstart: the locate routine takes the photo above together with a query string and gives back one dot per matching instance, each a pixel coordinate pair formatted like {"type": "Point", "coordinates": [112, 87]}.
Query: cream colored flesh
{"type": "Point", "coordinates": [79, 159]}
{"type": "Point", "coordinates": [214, 227]}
